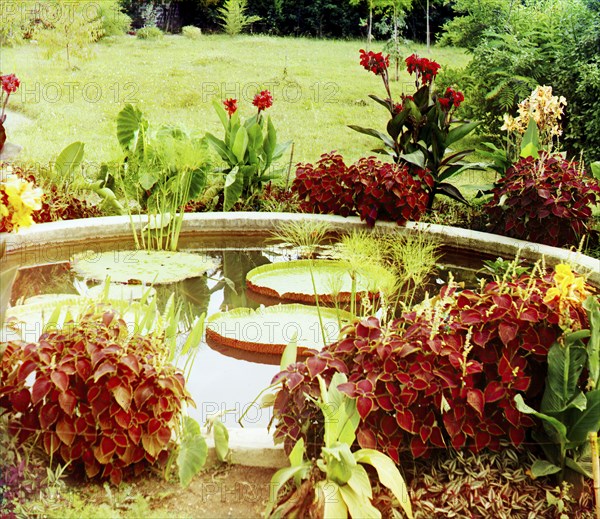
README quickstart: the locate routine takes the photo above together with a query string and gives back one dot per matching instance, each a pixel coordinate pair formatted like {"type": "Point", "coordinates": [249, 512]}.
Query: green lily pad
{"type": "Point", "coordinates": [141, 267]}
{"type": "Point", "coordinates": [122, 291]}
{"type": "Point", "coordinates": [293, 281]}
{"type": "Point", "coordinates": [270, 329]}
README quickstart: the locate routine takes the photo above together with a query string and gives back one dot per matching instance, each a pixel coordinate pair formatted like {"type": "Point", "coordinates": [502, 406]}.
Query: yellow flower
{"type": "Point", "coordinates": [568, 287]}
{"type": "Point", "coordinates": [23, 199]}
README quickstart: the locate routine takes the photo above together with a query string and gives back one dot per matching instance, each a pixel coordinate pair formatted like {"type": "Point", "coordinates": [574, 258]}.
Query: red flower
{"type": "Point", "coordinates": [397, 108]}
{"type": "Point", "coordinates": [451, 97]}
{"type": "Point", "coordinates": [424, 68]}
{"type": "Point", "coordinates": [375, 62]}
{"type": "Point", "coordinates": [230, 106]}
{"type": "Point", "coordinates": [10, 83]}
{"type": "Point", "coordinates": [263, 100]}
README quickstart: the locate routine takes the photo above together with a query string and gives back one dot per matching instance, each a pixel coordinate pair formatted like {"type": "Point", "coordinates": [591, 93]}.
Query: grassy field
{"type": "Point", "coordinates": [318, 87]}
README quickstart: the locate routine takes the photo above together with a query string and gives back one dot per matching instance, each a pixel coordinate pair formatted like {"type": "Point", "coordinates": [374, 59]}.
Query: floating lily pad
{"type": "Point", "coordinates": [270, 329]}
{"type": "Point", "coordinates": [293, 281]}
{"type": "Point", "coordinates": [139, 267]}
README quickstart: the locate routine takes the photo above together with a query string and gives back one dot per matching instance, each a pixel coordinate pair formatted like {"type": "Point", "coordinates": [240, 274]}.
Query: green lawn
{"type": "Point", "coordinates": [318, 87]}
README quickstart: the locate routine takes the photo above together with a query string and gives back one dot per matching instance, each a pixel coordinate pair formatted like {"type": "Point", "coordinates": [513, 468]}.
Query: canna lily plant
{"type": "Point", "coordinates": [421, 129]}
{"type": "Point", "coordinates": [10, 84]}
{"type": "Point", "coordinates": [338, 479]}
{"type": "Point", "coordinates": [248, 150]}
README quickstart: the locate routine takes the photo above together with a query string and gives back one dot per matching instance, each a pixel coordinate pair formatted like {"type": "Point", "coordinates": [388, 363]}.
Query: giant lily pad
{"type": "Point", "coordinates": [137, 267]}
{"type": "Point", "coordinates": [270, 329]}
{"type": "Point", "coordinates": [293, 281]}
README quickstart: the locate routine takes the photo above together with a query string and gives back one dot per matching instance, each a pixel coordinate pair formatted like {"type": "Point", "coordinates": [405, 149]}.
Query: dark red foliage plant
{"type": "Point", "coordinates": [370, 188]}
{"type": "Point", "coordinates": [94, 396]}
{"type": "Point", "coordinates": [547, 200]}
{"type": "Point", "coordinates": [444, 374]}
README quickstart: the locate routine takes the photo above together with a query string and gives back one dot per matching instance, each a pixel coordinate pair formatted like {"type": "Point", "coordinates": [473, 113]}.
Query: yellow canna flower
{"type": "Point", "coordinates": [568, 286]}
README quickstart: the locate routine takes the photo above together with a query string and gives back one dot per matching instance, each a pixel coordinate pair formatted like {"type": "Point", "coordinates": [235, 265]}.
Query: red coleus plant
{"type": "Point", "coordinates": [370, 188]}
{"type": "Point", "coordinates": [444, 375]}
{"type": "Point", "coordinates": [547, 200]}
{"type": "Point", "coordinates": [100, 398]}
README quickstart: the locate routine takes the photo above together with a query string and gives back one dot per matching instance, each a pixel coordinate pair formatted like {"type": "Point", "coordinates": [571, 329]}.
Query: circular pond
{"type": "Point", "coordinates": [225, 379]}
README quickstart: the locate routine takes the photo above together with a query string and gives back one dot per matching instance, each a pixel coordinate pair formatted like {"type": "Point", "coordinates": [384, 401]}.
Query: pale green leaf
{"type": "Point", "coordinates": [221, 436]}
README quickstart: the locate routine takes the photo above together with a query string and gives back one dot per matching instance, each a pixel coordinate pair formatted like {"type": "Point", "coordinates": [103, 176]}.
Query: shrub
{"type": "Point", "coordinates": [443, 374]}
{"type": "Point", "coordinates": [103, 399]}
{"type": "Point", "coordinates": [370, 188]}
{"type": "Point", "coordinates": [191, 32]}
{"type": "Point", "coordinates": [546, 200]}
{"type": "Point", "coordinates": [149, 33]}
{"type": "Point", "coordinates": [114, 21]}
{"type": "Point", "coordinates": [233, 16]}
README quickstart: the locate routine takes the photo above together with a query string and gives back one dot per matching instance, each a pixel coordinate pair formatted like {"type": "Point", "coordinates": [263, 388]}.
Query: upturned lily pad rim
{"type": "Point", "coordinates": [281, 269]}
{"type": "Point", "coordinates": [270, 312]}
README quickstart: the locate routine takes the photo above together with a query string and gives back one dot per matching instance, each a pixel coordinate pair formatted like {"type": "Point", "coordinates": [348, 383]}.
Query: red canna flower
{"type": "Point", "coordinates": [451, 97]}
{"type": "Point", "coordinates": [445, 103]}
{"type": "Point", "coordinates": [230, 106]}
{"type": "Point", "coordinates": [375, 62]}
{"type": "Point", "coordinates": [424, 68]}
{"type": "Point", "coordinates": [10, 83]}
{"type": "Point", "coordinates": [263, 100]}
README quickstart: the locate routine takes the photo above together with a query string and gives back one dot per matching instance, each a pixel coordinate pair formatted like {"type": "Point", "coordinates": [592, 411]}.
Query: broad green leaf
{"type": "Point", "coordinates": [296, 458]}
{"type": "Point", "coordinates": [334, 506]}
{"type": "Point", "coordinates": [357, 505]}
{"type": "Point", "coordinates": [290, 353]}
{"type": "Point", "coordinates": [373, 133]}
{"type": "Point", "coordinates": [595, 167]}
{"type": "Point", "coordinates": [270, 142]}
{"type": "Point", "coordinates": [130, 123]}
{"type": "Point", "coordinates": [416, 157]}
{"type": "Point", "coordinates": [240, 144]}
{"type": "Point", "coordinates": [197, 183]}
{"type": "Point", "coordinates": [7, 278]}
{"type": "Point", "coordinates": [580, 466]}
{"type": "Point", "coordinates": [584, 422]}
{"type": "Point", "coordinates": [558, 426]}
{"type": "Point", "coordinates": [140, 266]}
{"type": "Point", "coordinates": [593, 346]}
{"type": "Point", "coordinates": [218, 106]}
{"type": "Point", "coordinates": [389, 476]}
{"type": "Point", "coordinates": [530, 145]}
{"type": "Point", "coordinates": [565, 364]}
{"type": "Point", "coordinates": [192, 453]}
{"type": "Point", "coordinates": [234, 185]}
{"type": "Point", "coordinates": [195, 335]}
{"type": "Point", "coordinates": [360, 483]}
{"type": "Point", "coordinates": [279, 479]}
{"type": "Point", "coordinates": [221, 436]}
{"type": "Point", "coordinates": [148, 179]}
{"type": "Point", "coordinates": [280, 149]}
{"type": "Point", "coordinates": [543, 468]}
{"type": "Point", "coordinates": [453, 192]}
{"type": "Point", "coordinates": [458, 133]}
{"type": "Point", "coordinates": [69, 161]}
{"type": "Point", "coordinates": [221, 148]}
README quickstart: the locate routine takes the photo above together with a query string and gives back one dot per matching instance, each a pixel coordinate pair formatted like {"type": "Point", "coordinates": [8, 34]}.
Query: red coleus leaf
{"type": "Point", "coordinates": [417, 447]}
{"type": "Point", "coordinates": [164, 435]}
{"type": "Point", "coordinates": [104, 369]}
{"type": "Point", "coordinates": [517, 436]}
{"type": "Point", "coordinates": [65, 430]}
{"type": "Point", "coordinates": [120, 440]}
{"type": "Point", "coordinates": [494, 391]}
{"type": "Point", "coordinates": [470, 317]}
{"type": "Point", "coordinates": [405, 419]}
{"type": "Point", "coordinates": [366, 438]}
{"type": "Point", "coordinates": [20, 400]}
{"type": "Point", "coordinates": [364, 406]}
{"type": "Point", "coordinates": [122, 418]}
{"type": "Point", "coordinates": [67, 402]}
{"type": "Point", "coordinates": [104, 452]}
{"type": "Point", "coordinates": [135, 433]}
{"type": "Point", "coordinates": [153, 426]}
{"type": "Point", "coordinates": [123, 396]}
{"type": "Point", "coordinates": [41, 387]}
{"type": "Point", "coordinates": [530, 314]}
{"type": "Point", "coordinates": [482, 440]}
{"type": "Point", "coordinates": [143, 392]}
{"type": "Point", "coordinates": [476, 400]}
{"type": "Point", "coordinates": [132, 363]}
{"type": "Point", "coordinates": [388, 425]}
{"type": "Point", "coordinates": [48, 414]}
{"type": "Point", "coordinates": [51, 443]}
{"type": "Point", "coordinates": [25, 369]}
{"type": "Point", "coordinates": [385, 402]}
{"type": "Point", "coordinates": [315, 366]}
{"type": "Point", "coordinates": [60, 379]}
{"type": "Point", "coordinates": [507, 331]}
{"type": "Point", "coordinates": [436, 437]}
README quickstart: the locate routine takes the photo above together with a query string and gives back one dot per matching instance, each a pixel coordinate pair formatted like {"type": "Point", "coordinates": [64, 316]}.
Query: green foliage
{"type": "Point", "coordinates": [251, 151]}
{"type": "Point", "coordinates": [150, 33]}
{"type": "Point", "coordinates": [162, 171]}
{"type": "Point", "coordinates": [114, 21]}
{"type": "Point", "coordinates": [233, 16]}
{"type": "Point", "coordinates": [71, 30]}
{"type": "Point", "coordinates": [341, 484]}
{"type": "Point", "coordinates": [191, 32]}
{"type": "Point", "coordinates": [570, 407]}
